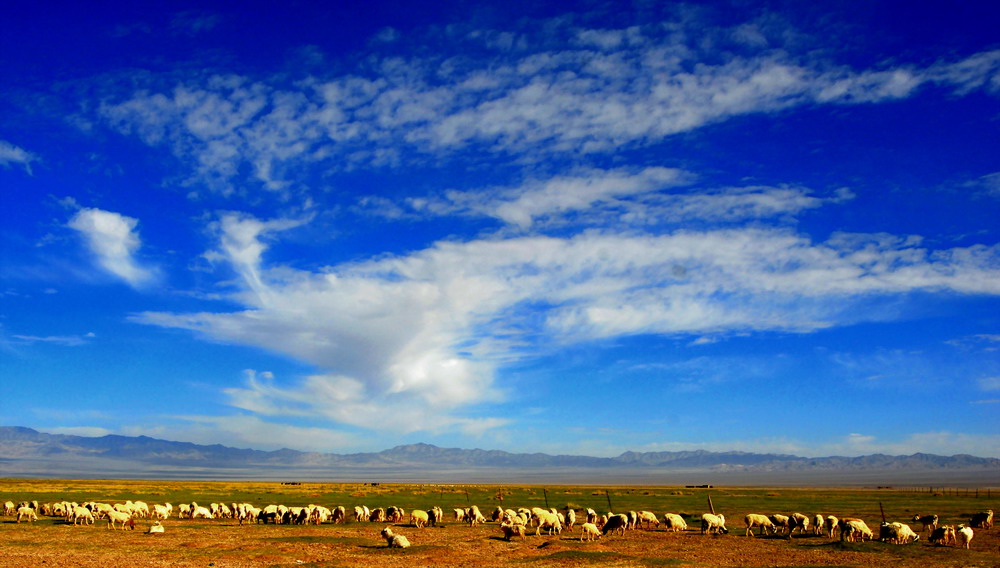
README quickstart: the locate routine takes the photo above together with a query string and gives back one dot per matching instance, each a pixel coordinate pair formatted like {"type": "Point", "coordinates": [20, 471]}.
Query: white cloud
{"type": "Point", "coordinates": [415, 338]}
{"type": "Point", "coordinates": [607, 90]}
{"type": "Point", "coordinates": [242, 431]}
{"type": "Point", "coordinates": [989, 384]}
{"type": "Point", "coordinates": [89, 431]}
{"type": "Point", "coordinates": [11, 154]}
{"type": "Point", "coordinates": [112, 239]}
{"type": "Point", "coordinates": [67, 340]}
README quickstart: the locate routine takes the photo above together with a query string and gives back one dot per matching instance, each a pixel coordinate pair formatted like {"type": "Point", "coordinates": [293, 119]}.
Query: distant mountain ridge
{"type": "Point", "coordinates": [28, 452]}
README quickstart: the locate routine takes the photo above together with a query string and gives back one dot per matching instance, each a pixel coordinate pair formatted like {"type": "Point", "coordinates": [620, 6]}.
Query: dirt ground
{"type": "Point", "coordinates": [223, 544]}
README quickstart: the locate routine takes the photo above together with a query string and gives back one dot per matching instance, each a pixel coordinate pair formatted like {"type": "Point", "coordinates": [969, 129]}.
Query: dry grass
{"type": "Point", "coordinates": [223, 543]}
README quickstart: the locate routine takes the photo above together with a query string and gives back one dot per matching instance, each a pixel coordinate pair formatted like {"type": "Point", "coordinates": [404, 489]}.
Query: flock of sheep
{"type": "Point", "coordinates": [512, 522]}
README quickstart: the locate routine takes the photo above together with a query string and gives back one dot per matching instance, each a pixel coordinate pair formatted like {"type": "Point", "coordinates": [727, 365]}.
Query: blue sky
{"type": "Point", "coordinates": [570, 228]}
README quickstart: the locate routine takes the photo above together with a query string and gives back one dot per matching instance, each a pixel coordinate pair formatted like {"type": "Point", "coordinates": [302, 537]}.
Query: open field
{"type": "Point", "coordinates": [223, 543]}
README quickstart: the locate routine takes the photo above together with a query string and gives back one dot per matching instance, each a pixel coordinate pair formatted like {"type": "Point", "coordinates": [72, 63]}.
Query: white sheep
{"type": "Point", "coordinates": [819, 524]}
{"type": "Point", "coordinates": [474, 517]}
{"type": "Point", "coordinates": [963, 536]}
{"type": "Point", "coordinates": [674, 522]}
{"type": "Point", "coordinates": [201, 512]}
{"type": "Point", "coordinates": [510, 528]}
{"type": "Point", "coordinates": [897, 533]}
{"type": "Point", "coordinates": [831, 525]}
{"type": "Point", "coordinates": [81, 514]}
{"type": "Point", "coordinates": [419, 518]}
{"type": "Point", "coordinates": [124, 519]}
{"type": "Point", "coordinates": [156, 528]}
{"type": "Point", "coordinates": [394, 540]}
{"type": "Point", "coordinates": [647, 518]}
{"type": "Point", "coordinates": [713, 524]}
{"type": "Point", "coordinates": [9, 509]}
{"type": "Point", "coordinates": [854, 530]}
{"type": "Point", "coordinates": [589, 531]}
{"type": "Point", "coordinates": [547, 520]}
{"type": "Point", "coordinates": [754, 520]}
{"type": "Point", "coordinates": [570, 519]}
{"type": "Point", "coordinates": [140, 509]}
{"type": "Point", "coordinates": [161, 512]}
{"type": "Point", "coordinates": [780, 522]}
{"type": "Point", "coordinates": [26, 513]}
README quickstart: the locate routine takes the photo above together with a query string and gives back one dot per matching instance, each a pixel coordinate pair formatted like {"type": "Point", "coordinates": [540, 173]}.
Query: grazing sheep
{"type": "Point", "coordinates": [927, 522]}
{"type": "Point", "coordinates": [161, 512]}
{"type": "Point", "coordinates": [633, 519]}
{"type": "Point", "coordinates": [201, 512]}
{"type": "Point", "coordinates": [394, 540]}
{"type": "Point", "coordinates": [395, 514]}
{"type": "Point", "coordinates": [591, 516]}
{"type": "Point", "coordinates": [26, 513]}
{"type": "Point", "coordinates": [830, 525]}
{"type": "Point", "coordinates": [459, 515]}
{"type": "Point", "coordinates": [547, 520]}
{"type": "Point", "coordinates": [943, 535]}
{"type": "Point", "coordinates": [897, 533]}
{"type": "Point", "coordinates": [419, 518]}
{"type": "Point", "coordinates": [646, 518]}
{"type": "Point", "coordinates": [497, 515]}
{"type": "Point", "coordinates": [818, 524]}
{"type": "Point", "coordinates": [81, 514]}
{"type": "Point", "coordinates": [9, 509]}
{"type": "Point", "coordinates": [797, 521]}
{"type": "Point", "coordinates": [589, 531]}
{"type": "Point", "coordinates": [963, 536]}
{"type": "Point", "coordinates": [510, 528]}
{"type": "Point", "coordinates": [674, 522]}
{"type": "Point", "coordinates": [140, 509]}
{"type": "Point", "coordinates": [338, 515]}
{"type": "Point", "coordinates": [474, 517]}
{"type": "Point", "coordinates": [615, 524]}
{"type": "Point", "coordinates": [854, 530]}
{"type": "Point", "coordinates": [570, 518]}
{"type": "Point", "coordinates": [124, 519]}
{"type": "Point", "coordinates": [780, 522]}
{"type": "Point", "coordinates": [713, 524]}
{"type": "Point", "coordinates": [754, 520]}
{"type": "Point", "coordinates": [982, 520]}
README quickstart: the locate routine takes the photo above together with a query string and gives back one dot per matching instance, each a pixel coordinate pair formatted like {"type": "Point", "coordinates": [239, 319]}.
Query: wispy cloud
{"type": "Point", "coordinates": [605, 91]}
{"type": "Point", "coordinates": [113, 240]}
{"type": "Point", "coordinates": [67, 340]}
{"type": "Point", "coordinates": [11, 154]}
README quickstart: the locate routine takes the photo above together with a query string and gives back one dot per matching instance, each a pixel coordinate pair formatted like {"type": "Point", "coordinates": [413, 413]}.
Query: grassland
{"type": "Point", "coordinates": [222, 542]}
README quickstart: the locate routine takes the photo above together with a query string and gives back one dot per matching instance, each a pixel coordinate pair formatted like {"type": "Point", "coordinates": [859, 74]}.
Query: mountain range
{"type": "Point", "coordinates": [25, 452]}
